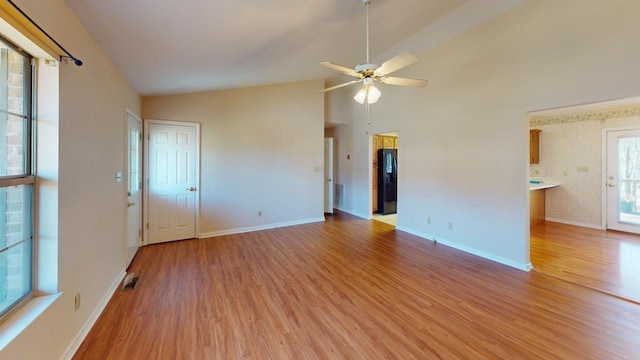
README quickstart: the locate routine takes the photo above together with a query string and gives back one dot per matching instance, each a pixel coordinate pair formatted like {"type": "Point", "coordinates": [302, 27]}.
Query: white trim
{"type": "Point", "coordinates": [603, 170]}
{"type": "Point", "coordinates": [14, 325]}
{"type": "Point", "coordinates": [329, 194]}
{"type": "Point", "coordinates": [129, 112]}
{"type": "Point", "coordinates": [483, 254]}
{"type": "Point", "coordinates": [575, 223]}
{"type": "Point", "coordinates": [260, 227]}
{"type": "Point", "coordinates": [145, 171]}
{"type": "Point", "coordinates": [84, 331]}
{"type": "Point", "coordinates": [369, 175]}
{"type": "Point", "coordinates": [605, 149]}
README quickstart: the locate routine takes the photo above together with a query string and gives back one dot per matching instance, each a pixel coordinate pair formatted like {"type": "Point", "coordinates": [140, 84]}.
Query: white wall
{"type": "Point", "coordinates": [464, 138]}
{"type": "Point", "coordinates": [262, 150]}
{"type": "Point", "coordinates": [91, 211]}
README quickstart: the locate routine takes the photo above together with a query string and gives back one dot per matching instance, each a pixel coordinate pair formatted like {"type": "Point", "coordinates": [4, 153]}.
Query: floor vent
{"type": "Point", "coordinates": [131, 281]}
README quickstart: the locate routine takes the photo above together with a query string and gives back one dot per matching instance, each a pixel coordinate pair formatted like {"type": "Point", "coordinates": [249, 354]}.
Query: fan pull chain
{"type": "Point", "coordinates": [367, 7]}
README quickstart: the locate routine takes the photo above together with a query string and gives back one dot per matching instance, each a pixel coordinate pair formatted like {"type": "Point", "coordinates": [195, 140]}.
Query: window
{"type": "Point", "coordinates": [16, 178]}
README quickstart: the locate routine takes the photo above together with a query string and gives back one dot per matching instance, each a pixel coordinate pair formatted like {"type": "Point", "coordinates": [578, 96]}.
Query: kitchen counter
{"type": "Point", "coordinates": [537, 190]}
{"type": "Point", "coordinates": [544, 185]}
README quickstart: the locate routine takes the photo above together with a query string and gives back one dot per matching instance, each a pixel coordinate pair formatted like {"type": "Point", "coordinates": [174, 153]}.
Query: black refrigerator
{"type": "Point", "coordinates": [387, 181]}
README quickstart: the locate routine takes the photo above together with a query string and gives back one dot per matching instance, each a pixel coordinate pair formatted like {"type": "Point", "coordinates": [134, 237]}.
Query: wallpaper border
{"type": "Point", "coordinates": [585, 116]}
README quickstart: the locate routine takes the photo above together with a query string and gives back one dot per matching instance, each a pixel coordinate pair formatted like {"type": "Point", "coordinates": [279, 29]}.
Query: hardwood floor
{"type": "Point", "coordinates": [607, 261]}
{"type": "Point", "coordinates": [351, 289]}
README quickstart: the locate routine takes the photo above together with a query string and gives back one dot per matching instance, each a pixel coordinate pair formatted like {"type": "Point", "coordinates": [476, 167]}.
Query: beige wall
{"type": "Point", "coordinates": [464, 142]}
{"type": "Point", "coordinates": [464, 137]}
{"type": "Point", "coordinates": [262, 150]}
{"type": "Point", "coordinates": [89, 240]}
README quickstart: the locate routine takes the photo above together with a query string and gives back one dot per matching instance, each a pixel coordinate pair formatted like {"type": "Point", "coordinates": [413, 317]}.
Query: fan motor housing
{"type": "Point", "coordinates": [366, 69]}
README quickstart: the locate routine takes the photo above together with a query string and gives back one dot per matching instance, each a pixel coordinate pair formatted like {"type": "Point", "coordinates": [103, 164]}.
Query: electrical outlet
{"type": "Point", "coordinates": [428, 220]}
{"type": "Point", "coordinates": [77, 301]}
{"type": "Point", "coordinates": [450, 226]}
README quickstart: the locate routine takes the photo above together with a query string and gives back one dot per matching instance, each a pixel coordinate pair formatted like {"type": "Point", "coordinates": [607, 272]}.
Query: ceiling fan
{"type": "Point", "coordinates": [369, 73]}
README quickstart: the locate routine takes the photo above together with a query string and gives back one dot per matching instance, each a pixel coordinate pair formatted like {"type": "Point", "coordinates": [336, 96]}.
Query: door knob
{"type": "Point", "coordinates": [130, 204]}
{"type": "Point", "coordinates": [191, 188]}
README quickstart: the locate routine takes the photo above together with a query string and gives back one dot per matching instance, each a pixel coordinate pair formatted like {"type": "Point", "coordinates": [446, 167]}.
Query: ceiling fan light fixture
{"type": "Point", "coordinates": [369, 94]}
{"type": "Point", "coordinates": [361, 95]}
{"type": "Point", "coordinates": [374, 94]}
{"type": "Point", "coordinates": [369, 73]}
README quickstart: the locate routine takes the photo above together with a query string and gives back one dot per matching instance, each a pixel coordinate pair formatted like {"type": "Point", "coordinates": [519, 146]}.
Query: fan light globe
{"type": "Point", "coordinates": [374, 94]}
{"type": "Point", "coordinates": [360, 96]}
{"type": "Point", "coordinates": [369, 93]}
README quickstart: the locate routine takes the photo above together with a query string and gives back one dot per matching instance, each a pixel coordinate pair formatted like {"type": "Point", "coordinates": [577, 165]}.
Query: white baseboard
{"type": "Point", "coordinates": [574, 223]}
{"type": "Point", "coordinates": [260, 227]}
{"type": "Point", "coordinates": [470, 250]}
{"type": "Point", "coordinates": [84, 331]}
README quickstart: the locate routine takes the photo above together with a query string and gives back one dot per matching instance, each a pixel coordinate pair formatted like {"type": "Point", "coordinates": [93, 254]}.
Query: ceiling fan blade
{"type": "Point", "coordinates": [338, 86]}
{"type": "Point", "coordinates": [392, 80]}
{"type": "Point", "coordinates": [396, 63]}
{"type": "Point", "coordinates": [343, 69]}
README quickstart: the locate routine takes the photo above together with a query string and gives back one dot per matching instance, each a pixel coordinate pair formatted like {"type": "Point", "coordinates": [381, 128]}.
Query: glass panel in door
{"type": "Point", "coordinates": [623, 180]}
{"type": "Point", "coordinates": [628, 180]}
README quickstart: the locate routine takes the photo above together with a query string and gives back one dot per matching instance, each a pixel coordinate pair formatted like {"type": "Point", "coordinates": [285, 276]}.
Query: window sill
{"type": "Point", "coordinates": [17, 322]}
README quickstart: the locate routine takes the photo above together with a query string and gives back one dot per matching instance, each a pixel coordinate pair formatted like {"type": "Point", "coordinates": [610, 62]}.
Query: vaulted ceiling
{"type": "Point", "coordinates": [165, 47]}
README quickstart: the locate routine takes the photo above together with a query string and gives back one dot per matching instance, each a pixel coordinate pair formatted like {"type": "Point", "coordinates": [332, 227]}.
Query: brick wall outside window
{"type": "Point", "coordinates": [15, 198]}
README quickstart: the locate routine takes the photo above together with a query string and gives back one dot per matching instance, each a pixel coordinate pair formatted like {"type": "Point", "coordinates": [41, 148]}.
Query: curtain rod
{"type": "Point", "coordinates": [69, 56]}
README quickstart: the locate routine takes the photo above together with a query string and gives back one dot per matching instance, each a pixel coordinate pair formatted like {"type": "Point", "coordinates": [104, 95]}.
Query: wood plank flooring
{"type": "Point", "coordinates": [604, 260]}
{"type": "Point", "coordinates": [351, 289]}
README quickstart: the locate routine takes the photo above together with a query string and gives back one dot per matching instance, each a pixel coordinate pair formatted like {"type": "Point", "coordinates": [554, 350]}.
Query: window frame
{"type": "Point", "coordinates": [28, 176]}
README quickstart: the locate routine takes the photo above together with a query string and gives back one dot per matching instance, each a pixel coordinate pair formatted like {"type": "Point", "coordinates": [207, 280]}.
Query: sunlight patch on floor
{"type": "Point", "coordinates": [391, 219]}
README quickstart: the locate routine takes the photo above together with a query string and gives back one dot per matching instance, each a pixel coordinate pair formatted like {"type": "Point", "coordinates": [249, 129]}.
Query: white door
{"type": "Point", "coordinates": [623, 180]}
{"type": "Point", "coordinates": [328, 175]}
{"type": "Point", "coordinates": [134, 185]}
{"type": "Point", "coordinates": [173, 151]}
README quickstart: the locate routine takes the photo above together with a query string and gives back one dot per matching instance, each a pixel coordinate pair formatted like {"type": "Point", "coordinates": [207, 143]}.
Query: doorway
{"type": "Point", "coordinates": [172, 151]}
{"type": "Point", "coordinates": [328, 176]}
{"type": "Point", "coordinates": [384, 177]}
{"type": "Point", "coordinates": [590, 150]}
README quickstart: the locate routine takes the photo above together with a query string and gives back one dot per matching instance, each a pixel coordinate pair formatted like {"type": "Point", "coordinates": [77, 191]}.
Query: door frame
{"type": "Point", "coordinates": [605, 150]}
{"type": "Point", "coordinates": [145, 194]}
{"type": "Point", "coordinates": [129, 112]}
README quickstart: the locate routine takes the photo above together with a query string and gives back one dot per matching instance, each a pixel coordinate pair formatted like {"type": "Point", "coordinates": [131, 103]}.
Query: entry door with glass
{"type": "Point", "coordinates": [623, 180]}
{"type": "Point", "coordinates": [328, 175]}
{"type": "Point", "coordinates": [134, 185]}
